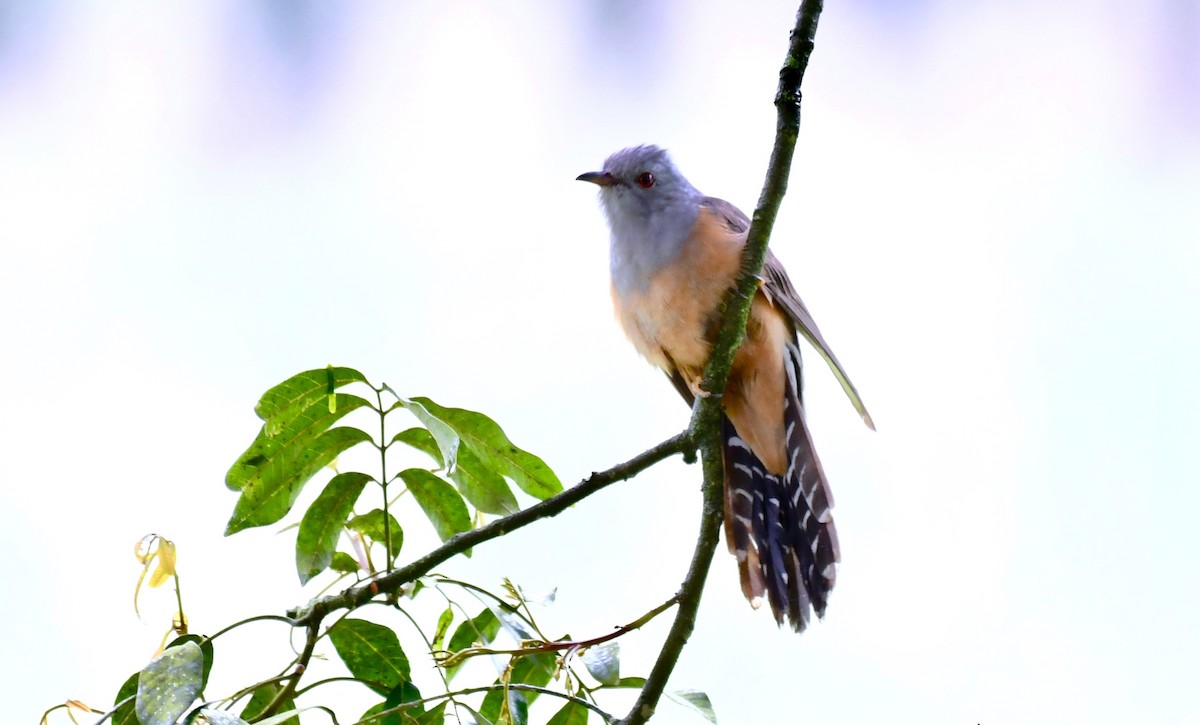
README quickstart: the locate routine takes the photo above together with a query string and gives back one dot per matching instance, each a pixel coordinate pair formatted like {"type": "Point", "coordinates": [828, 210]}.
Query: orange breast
{"type": "Point", "coordinates": [672, 321]}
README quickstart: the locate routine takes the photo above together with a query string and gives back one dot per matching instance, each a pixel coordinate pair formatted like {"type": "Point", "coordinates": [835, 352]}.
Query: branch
{"type": "Point", "coordinates": [288, 691]}
{"type": "Point", "coordinates": [391, 582]}
{"type": "Point", "coordinates": [707, 415]}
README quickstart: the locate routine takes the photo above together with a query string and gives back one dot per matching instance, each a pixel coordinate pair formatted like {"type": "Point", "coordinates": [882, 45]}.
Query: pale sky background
{"type": "Point", "coordinates": [994, 215]}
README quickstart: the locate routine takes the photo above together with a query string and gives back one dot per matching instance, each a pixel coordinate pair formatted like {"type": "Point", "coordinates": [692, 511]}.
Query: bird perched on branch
{"type": "Point", "coordinates": [674, 255]}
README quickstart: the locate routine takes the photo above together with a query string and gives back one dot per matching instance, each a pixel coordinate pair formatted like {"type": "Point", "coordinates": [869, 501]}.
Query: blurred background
{"type": "Point", "coordinates": [994, 215]}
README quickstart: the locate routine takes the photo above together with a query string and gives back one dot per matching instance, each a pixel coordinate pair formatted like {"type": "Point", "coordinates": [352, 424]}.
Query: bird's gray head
{"type": "Point", "coordinates": [651, 209]}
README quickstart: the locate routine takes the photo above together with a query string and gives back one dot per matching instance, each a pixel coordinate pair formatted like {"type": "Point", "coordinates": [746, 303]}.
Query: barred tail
{"type": "Point", "coordinates": [780, 528]}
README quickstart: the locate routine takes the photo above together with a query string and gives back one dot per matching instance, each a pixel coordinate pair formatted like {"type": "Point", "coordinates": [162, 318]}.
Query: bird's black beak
{"type": "Point", "coordinates": [599, 178]}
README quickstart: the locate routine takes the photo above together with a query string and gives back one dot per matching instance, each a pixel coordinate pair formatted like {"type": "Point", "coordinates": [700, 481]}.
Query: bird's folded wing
{"type": "Point", "coordinates": [779, 291]}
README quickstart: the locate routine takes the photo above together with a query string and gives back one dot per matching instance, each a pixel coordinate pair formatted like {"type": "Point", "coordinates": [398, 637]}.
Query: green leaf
{"type": "Point", "coordinates": [483, 487]}
{"type": "Point", "coordinates": [638, 682]}
{"type": "Point", "coordinates": [371, 652]}
{"type": "Point", "coordinates": [169, 684]}
{"type": "Point", "coordinates": [287, 717]}
{"type": "Point", "coordinates": [517, 705]}
{"type": "Point", "coordinates": [296, 393]}
{"type": "Point", "coordinates": [487, 441]}
{"type": "Point", "coordinates": [441, 503]}
{"type": "Point", "coordinates": [278, 453]}
{"type": "Point", "coordinates": [443, 626]}
{"type": "Point", "coordinates": [695, 700]}
{"type": "Point", "coordinates": [482, 629]}
{"type": "Point", "coordinates": [400, 694]}
{"type": "Point", "coordinates": [125, 714]}
{"type": "Point", "coordinates": [344, 563]}
{"type": "Point", "coordinates": [572, 714]}
{"type": "Point", "coordinates": [371, 525]}
{"type": "Point", "coordinates": [535, 669]}
{"type": "Point", "coordinates": [372, 713]}
{"type": "Point", "coordinates": [436, 716]}
{"type": "Point", "coordinates": [268, 498]}
{"type": "Point", "coordinates": [446, 438]}
{"type": "Point", "coordinates": [476, 715]}
{"type": "Point", "coordinates": [206, 649]}
{"type": "Point", "coordinates": [323, 522]}
{"type": "Point", "coordinates": [417, 585]}
{"type": "Point", "coordinates": [604, 662]}
{"type": "Point", "coordinates": [262, 697]}
{"type": "Point", "coordinates": [422, 440]}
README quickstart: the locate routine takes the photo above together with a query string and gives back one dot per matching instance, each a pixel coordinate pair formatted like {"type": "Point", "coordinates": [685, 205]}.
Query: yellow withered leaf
{"type": "Point", "coordinates": [166, 564]}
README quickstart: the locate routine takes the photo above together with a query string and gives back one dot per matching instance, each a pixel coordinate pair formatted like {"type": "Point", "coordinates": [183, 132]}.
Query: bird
{"type": "Point", "coordinates": [674, 254]}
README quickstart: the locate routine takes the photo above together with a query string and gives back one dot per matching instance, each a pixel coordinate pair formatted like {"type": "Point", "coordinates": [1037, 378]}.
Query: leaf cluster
{"type": "Point", "coordinates": [473, 465]}
{"type": "Point", "coordinates": [350, 529]}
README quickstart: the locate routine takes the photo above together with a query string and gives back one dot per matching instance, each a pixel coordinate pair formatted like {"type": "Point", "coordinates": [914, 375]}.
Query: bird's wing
{"type": "Point", "coordinates": [732, 216]}
{"type": "Point", "coordinates": [779, 290]}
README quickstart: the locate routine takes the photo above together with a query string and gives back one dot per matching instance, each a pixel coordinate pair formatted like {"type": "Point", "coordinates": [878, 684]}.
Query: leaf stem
{"type": "Point", "coordinates": [248, 620]}
{"type": "Point", "coordinates": [182, 620]}
{"type": "Point", "coordinates": [389, 560]}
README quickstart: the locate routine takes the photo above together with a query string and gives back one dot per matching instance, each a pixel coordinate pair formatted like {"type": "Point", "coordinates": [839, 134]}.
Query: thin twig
{"type": "Point", "coordinates": [248, 620]}
{"type": "Point", "coordinates": [451, 659]}
{"type": "Point", "coordinates": [341, 678]}
{"type": "Point", "coordinates": [111, 713]}
{"type": "Point", "coordinates": [707, 414]}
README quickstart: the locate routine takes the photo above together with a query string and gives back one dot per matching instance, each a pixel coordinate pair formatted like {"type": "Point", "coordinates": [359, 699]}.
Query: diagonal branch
{"type": "Point", "coordinates": [391, 582]}
{"type": "Point", "coordinates": [707, 415]}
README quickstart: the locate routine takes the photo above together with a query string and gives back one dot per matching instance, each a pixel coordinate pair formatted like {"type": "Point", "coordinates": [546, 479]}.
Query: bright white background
{"type": "Point", "coordinates": [994, 216]}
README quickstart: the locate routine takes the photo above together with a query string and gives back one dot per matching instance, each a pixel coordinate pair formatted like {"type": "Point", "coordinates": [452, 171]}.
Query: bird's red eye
{"type": "Point", "coordinates": [646, 180]}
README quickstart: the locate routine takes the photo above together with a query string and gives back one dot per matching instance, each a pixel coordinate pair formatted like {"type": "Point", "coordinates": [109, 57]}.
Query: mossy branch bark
{"type": "Point", "coordinates": [707, 414]}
